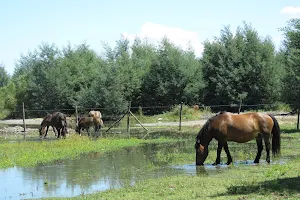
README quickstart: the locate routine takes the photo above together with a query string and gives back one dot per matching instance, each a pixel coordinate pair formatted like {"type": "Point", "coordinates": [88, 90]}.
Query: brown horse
{"type": "Point", "coordinates": [46, 123]}
{"type": "Point", "coordinates": [239, 128]}
{"type": "Point", "coordinates": [58, 121]}
{"type": "Point", "coordinates": [87, 122]}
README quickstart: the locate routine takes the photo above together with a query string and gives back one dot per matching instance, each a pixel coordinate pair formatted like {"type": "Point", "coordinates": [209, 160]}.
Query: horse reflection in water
{"type": "Point", "coordinates": [239, 128]}
{"type": "Point", "coordinates": [58, 121]}
{"type": "Point", "coordinates": [200, 171]}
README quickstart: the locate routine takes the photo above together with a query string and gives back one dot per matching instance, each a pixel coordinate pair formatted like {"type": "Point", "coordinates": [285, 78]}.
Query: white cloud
{"type": "Point", "coordinates": [155, 32]}
{"type": "Point", "coordinates": [291, 11]}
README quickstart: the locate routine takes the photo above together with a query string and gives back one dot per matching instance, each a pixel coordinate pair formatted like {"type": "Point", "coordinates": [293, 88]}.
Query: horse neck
{"type": "Point", "coordinates": [206, 135]}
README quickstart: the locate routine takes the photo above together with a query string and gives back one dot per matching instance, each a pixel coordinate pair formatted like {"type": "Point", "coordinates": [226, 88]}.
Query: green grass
{"type": "Point", "coordinates": [188, 113]}
{"type": "Point", "coordinates": [30, 153]}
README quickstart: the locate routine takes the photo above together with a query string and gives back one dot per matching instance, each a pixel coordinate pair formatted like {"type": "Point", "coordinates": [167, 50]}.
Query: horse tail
{"type": "Point", "coordinates": [275, 137]}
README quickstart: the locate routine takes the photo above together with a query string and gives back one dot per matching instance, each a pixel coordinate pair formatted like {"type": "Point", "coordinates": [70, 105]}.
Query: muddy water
{"type": "Point", "coordinates": [98, 172]}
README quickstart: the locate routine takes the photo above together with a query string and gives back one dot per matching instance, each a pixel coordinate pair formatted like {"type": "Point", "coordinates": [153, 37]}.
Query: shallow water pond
{"type": "Point", "coordinates": [89, 173]}
{"type": "Point", "coordinates": [98, 172]}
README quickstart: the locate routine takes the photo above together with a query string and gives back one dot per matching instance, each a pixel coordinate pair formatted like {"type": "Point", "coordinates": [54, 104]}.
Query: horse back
{"type": "Point", "coordinates": [47, 120]}
{"type": "Point", "coordinates": [86, 122]}
{"type": "Point", "coordinates": [59, 120]}
{"type": "Point", "coordinates": [241, 127]}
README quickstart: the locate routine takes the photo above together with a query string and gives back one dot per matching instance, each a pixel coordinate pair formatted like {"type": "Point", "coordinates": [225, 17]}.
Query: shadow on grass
{"type": "Point", "coordinates": [285, 185]}
{"type": "Point", "coordinates": [287, 130]}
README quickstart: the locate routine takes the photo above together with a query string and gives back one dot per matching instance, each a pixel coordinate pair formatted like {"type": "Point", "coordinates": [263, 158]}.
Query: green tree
{"type": "Point", "coordinates": [240, 66]}
{"type": "Point", "coordinates": [172, 78]}
{"type": "Point", "coordinates": [7, 99]}
{"type": "Point", "coordinates": [143, 55]}
{"type": "Point", "coordinates": [290, 54]}
{"type": "Point", "coordinates": [42, 92]}
{"type": "Point", "coordinates": [4, 77]}
{"type": "Point", "coordinates": [88, 81]}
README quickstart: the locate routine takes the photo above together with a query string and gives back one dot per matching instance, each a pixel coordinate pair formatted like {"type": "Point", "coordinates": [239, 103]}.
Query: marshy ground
{"type": "Point", "coordinates": [160, 167]}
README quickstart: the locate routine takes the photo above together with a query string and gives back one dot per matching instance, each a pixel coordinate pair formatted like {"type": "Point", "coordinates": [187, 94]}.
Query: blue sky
{"type": "Point", "coordinates": [26, 24]}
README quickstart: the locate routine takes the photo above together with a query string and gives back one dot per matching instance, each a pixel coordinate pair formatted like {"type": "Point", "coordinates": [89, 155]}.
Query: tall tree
{"type": "Point", "coordinates": [89, 81]}
{"type": "Point", "coordinates": [4, 77]}
{"type": "Point", "coordinates": [170, 78]}
{"type": "Point", "coordinates": [240, 67]}
{"type": "Point", "coordinates": [143, 55]}
{"type": "Point", "coordinates": [290, 52]}
{"type": "Point", "coordinates": [41, 89]}
{"type": "Point", "coordinates": [7, 99]}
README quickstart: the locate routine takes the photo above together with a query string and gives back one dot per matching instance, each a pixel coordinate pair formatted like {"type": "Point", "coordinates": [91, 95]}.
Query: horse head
{"type": "Point", "coordinates": [201, 152]}
{"type": "Point", "coordinates": [201, 145]}
{"type": "Point", "coordinates": [77, 129]}
{"type": "Point", "coordinates": [40, 131]}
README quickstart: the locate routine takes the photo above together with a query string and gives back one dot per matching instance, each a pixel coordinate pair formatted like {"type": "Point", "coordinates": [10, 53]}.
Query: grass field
{"type": "Point", "coordinates": [278, 180]}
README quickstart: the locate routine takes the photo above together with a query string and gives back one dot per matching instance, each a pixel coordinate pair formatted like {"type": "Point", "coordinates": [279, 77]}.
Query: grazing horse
{"type": "Point", "coordinates": [56, 120]}
{"type": "Point", "coordinates": [47, 122]}
{"type": "Point", "coordinates": [239, 128]}
{"type": "Point", "coordinates": [87, 122]}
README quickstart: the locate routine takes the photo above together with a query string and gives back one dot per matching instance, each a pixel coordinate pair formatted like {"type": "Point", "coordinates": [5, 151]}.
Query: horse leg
{"type": "Point", "coordinates": [63, 132]}
{"type": "Point", "coordinates": [259, 147]}
{"type": "Point", "coordinates": [229, 158]}
{"type": "Point", "coordinates": [88, 131]}
{"type": "Point", "coordinates": [97, 127]}
{"type": "Point", "coordinates": [218, 159]}
{"type": "Point", "coordinates": [58, 133]}
{"type": "Point", "coordinates": [100, 131]}
{"type": "Point", "coordinates": [266, 138]}
{"type": "Point", "coordinates": [46, 131]}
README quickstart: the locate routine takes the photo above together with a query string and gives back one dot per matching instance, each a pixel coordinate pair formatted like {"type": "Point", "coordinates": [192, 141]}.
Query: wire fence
{"type": "Point", "coordinates": [149, 116]}
{"type": "Point", "coordinates": [150, 110]}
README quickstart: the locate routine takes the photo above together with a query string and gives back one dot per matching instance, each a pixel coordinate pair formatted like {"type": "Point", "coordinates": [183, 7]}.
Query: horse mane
{"type": "Point", "coordinates": [203, 131]}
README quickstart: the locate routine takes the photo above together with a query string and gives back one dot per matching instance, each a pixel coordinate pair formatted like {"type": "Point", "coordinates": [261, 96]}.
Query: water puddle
{"type": "Point", "coordinates": [90, 173]}
{"type": "Point", "coordinates": [99, 172]}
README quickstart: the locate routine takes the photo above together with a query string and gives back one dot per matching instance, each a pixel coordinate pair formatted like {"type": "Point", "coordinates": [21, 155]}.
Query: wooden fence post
{"type": "Point", "coordinates": [128, 118]}
{"type": "Point", "coordinates": [24, 124]}
{"type": "Point", "coordinates": [76, 111]}
{"type": "Point", "coordinates": [180, 116]}
{"type": "Point", "coordinates": [240, 106]}
{"type": "Point", "coordinates": [298, 119]}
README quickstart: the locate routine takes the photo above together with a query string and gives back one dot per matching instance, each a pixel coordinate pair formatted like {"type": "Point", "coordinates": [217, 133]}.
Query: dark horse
{"type": "Point", "coordinates": [57, 120]}
{"type": "Point", "coordinates": [239, 128]}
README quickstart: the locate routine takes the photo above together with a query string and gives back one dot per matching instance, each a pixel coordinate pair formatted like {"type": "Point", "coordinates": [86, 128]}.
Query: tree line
{"type": "Point", "coordinates": [235, 67]}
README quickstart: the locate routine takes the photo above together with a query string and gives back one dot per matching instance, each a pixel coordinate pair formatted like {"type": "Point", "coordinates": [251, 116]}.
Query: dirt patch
{"type": "Point", "coordinates": [35, 121]}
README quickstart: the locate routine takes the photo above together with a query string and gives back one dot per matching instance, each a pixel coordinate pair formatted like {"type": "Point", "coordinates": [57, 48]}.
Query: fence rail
{"type": "Point", "coordinates": [80, 111]}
